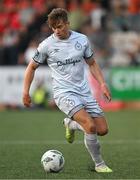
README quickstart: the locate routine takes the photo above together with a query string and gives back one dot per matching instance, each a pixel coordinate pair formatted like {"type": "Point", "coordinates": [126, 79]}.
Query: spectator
{"type": "Point", "coordinates": [27, 14]}
{"type": "Point", "coordinates": [97, 15]}
{"type": "Point", "coordinates": [76, 15]}
{"type": "Point", "coordinates": [2, 51]}
{"type": "Point", "coordinates": [30, 51]}
{"type": "Point", "coordinates": [41, 97]}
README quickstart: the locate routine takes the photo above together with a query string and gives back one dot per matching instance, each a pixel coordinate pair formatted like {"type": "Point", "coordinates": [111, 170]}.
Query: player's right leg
{"type": "Point", "coordinates": [71, 126]}
{"type": "Point", "coordinates": [69, 132]}
{"type": "Point", "coordinates": [69, 103]}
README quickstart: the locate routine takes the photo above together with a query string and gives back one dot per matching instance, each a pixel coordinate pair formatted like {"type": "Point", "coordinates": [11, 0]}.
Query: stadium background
{"type": "Point", "coordinates": [113, 27]}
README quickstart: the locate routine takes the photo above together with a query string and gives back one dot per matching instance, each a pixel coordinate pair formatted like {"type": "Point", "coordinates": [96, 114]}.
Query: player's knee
{"type": "Point", "coordinates": [91, 128]}
{"type": "Point", "coordinates": [102, 132]}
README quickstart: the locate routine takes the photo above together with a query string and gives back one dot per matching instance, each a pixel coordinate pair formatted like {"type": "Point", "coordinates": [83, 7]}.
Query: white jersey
{"type": "Point", "coordinates": [66, 58]}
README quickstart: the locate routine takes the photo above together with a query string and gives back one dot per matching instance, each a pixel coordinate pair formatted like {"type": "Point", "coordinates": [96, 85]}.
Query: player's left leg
{"type": "Point", "coordinates": [71, 126]}
{"type": "Point", "coordinates": [101, 125]}
{"type": "Point", "coordinates": [101, 129]}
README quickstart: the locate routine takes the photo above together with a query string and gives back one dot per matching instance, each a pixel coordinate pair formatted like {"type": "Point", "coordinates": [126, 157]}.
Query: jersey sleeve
{"type": "Point", "coordinates": [88, 53]}
{"type": "Point", "coordinates": [41, 53]}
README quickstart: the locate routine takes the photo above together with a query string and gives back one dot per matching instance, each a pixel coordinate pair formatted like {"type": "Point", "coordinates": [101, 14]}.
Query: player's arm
{"type": "Point", "coordinates": [97, 74]}
{"type": "Point", "coordinates": [28, 78]}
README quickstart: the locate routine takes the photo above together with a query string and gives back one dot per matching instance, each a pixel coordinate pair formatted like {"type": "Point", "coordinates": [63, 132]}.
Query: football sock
{"type": "Point", "coordinates": [73, 124]}
{"type": "Point", "coordinates": [93, 146]}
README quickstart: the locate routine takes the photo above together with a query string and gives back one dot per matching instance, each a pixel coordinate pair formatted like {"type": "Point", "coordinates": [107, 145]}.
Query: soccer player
{"type": "Point", "coordinates": [67, 53]}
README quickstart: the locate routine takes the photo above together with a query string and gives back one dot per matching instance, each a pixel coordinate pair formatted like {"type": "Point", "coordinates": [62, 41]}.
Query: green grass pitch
{"type": "Point", "coordinates": [26, 135]}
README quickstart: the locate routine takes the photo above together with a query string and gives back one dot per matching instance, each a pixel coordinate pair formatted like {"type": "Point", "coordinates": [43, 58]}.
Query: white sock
{"type": "Point", "coordinates": [73, 124]}
{"type": "Point", "coordinates": [93, 146]}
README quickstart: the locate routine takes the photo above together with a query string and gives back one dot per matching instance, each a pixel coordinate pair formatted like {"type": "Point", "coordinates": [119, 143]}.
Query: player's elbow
{"type": "Point", "coordinates": [33, 65]}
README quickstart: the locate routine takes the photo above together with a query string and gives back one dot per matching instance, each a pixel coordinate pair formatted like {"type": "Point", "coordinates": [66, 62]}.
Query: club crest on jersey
{"type": "Point", "coordinates": [78, 46]}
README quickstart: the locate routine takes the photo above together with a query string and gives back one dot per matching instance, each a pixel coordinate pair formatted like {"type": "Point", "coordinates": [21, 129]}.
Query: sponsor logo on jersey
{"type": "Point", "coordinates": [68, 61]}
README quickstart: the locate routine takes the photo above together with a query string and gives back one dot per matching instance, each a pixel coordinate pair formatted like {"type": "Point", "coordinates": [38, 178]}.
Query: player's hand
{"type": "Point", "coordinates": [26, 100]}
{"type": "Point", "coordinates": [106, 92]}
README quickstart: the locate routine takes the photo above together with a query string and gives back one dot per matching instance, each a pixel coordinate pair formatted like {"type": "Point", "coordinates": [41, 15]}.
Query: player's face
{"type": "Point", "coordinates": [61, 30]}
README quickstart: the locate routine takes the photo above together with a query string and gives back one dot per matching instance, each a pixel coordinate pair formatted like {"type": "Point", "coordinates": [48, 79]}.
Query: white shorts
{"type": "Point", "coordinates": [70, 103]}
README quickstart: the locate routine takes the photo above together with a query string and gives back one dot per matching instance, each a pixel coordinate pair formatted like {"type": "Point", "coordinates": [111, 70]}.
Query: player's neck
{"type": "Point", "coordinates": [67, 35]}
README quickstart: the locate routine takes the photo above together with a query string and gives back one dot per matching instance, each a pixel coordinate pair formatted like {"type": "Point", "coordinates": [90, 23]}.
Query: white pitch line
{"type": "Point", "coordinates": [59, 142]}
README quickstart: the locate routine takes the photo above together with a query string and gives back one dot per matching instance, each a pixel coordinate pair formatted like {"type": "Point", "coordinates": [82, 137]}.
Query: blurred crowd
{"type": "Point", "coordinates": [113, 27]}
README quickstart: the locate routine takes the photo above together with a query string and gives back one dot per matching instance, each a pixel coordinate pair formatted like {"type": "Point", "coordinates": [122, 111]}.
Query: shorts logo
{"type": "Point", "coordinates": [68, 102]}
{"type": "Point", "coordinates": [78, 46]}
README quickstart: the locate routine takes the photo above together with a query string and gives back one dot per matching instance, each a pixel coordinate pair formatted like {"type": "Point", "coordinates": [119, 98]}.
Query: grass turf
{"type": "Point", "coordinates": [26, 135]}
